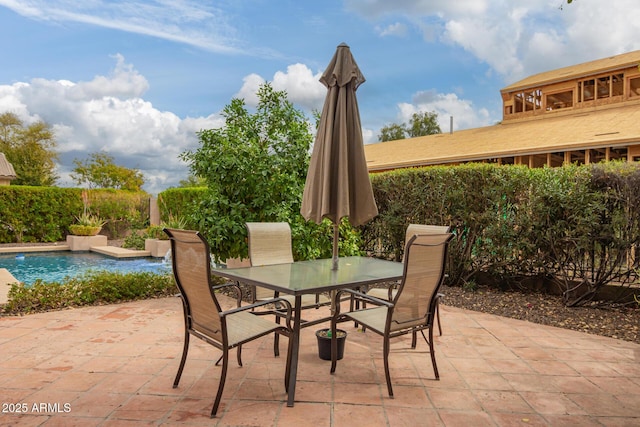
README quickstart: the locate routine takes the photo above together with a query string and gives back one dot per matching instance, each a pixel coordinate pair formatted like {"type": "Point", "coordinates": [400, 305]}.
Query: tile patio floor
{"type": "Point", "coordinates": [114, 366]}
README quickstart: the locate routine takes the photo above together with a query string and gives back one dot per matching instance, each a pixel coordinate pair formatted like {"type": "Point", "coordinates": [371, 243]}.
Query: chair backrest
{"type": "Point", "coordinates": [191, 261]}
{"type": "Point", "coordinates": [269, 243]}
{"type": "Point", "coordinates": [424, 270]}
{"type": "Point", "coordinates": [414, 229]}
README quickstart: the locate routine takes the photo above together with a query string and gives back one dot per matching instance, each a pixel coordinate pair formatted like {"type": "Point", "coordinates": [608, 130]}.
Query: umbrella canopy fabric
{"type": "Point", "coordinates": [338, 183]}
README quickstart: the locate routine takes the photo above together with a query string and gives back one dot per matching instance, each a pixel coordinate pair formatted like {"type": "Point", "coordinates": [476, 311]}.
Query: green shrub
{"type": "Point", "coordinates": [155, 232]}
{"type": "Point", "coordinates": [93, 287]}
{"type": "Point", "coordinates": [134, 241]}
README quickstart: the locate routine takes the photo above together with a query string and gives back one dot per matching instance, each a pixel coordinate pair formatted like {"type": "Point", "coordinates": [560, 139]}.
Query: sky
{"type": "Point", "coordinates": [139, 78]}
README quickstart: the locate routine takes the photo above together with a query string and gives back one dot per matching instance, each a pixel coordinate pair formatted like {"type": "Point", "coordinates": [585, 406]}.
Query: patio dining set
{"type": "Point", "coordinates": [283, 289]}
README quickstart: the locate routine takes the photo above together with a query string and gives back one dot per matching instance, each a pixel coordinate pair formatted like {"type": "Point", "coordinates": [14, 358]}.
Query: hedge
{"type": "Point", "coordinates": [575, 228]}
{"type": "Point", "coordinates": [43, 214]}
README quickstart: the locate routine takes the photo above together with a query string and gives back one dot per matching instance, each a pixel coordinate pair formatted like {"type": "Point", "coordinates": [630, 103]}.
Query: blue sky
{"type": "Point", "coordinates": [138, 79]}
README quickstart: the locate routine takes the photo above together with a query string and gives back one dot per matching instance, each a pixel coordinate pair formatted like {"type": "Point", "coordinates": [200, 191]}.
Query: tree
{"type": "Point", "coordinates": [425, 123]}
{"type": "Point", "coordinates": [29, 149]}
{"type": "Point", "coordinates": [255, 168]}
{"type": "Point", "coordinates": [392, 132]}
{"type": "Point", "coordinates": [192, 181]}
{"type": "Point", "coordinates": [100, 171]}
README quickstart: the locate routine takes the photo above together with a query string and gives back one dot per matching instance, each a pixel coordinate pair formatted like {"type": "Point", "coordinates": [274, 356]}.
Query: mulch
{"type": "Point", "coordinates": [606, 319]}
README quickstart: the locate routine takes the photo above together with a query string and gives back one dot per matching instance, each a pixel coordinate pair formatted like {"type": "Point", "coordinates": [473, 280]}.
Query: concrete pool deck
{"type": "Point", "coordinates": [6, 278]}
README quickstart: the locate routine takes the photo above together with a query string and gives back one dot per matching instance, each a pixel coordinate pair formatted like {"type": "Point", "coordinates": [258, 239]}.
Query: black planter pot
{"type": "Point", "coordinates": [324, 343]}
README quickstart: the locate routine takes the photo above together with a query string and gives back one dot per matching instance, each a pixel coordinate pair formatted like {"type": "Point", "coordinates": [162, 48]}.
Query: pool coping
{"type": "Point", "coordinates": [54, 247]}
{"type": "Point", "coordinates": [112, 251]}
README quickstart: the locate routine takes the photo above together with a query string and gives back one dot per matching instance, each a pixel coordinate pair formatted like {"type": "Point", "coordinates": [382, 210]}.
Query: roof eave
{"type": "Point", "coordinates": [602, 143]}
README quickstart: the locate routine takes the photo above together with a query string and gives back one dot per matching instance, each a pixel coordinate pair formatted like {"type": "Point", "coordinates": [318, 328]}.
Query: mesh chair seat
{"type": "Point", "coordinates": [245, 326]}
{"type": "Point", "coordinates": [376, 320]}
{"type": "Point", "coordinates": [389, 294]}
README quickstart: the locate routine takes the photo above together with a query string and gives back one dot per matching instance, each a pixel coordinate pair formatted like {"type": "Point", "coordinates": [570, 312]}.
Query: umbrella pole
{"type": "Point", "coordinates": [336, 234]}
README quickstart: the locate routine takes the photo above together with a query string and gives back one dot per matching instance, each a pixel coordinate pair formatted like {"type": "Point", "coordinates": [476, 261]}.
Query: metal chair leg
{"type": "Point", "coordinates": [185, 350]}
{"type": "Point", "coordinates": [438, 312]}
{"type": "Point", "coordinates": [386, 349]}
{"type": "Point", "coordinates": [223, 377]}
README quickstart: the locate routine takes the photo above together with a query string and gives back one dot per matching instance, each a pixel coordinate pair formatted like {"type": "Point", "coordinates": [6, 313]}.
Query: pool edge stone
{"type": "Point", "coordinates": [85, 243]}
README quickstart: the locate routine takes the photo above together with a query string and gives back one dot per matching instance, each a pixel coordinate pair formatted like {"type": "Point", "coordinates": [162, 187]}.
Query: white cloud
{"type": "Point", "coordinates": [377, 8]}
{"type": "Point", "coordinates": [302, 86]}
{"type": "Point", "coordinates": [448, 105]}
{"type": "Point", "coordinates": [369, 136]}
{"type": "Point", "coordinates": [396, 29]}
{"type": "Point", "coordinates": [517, 39]}
{"type": "Point", "coordinates": [189, 22]}
{"type": "Point", "coordinates": [249, 89]}
{"type": "Point", "coordinates": [109, 114]}
{"type": "Point", "coordinates": [124, 82]}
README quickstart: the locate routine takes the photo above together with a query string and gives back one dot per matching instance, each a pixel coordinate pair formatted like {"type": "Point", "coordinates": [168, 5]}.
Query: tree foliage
{"type": "Point", "coordinates": [421, 124]}
{"type": "Point", "coordinates": [100, 171]}
{"type": "Point", "coordinates": [29, 149]}
{"type": "Point", "coordinates": [392, 132]}
{"type": "Point", "coordinates": [192, 181]}
{"type": "Point", "coordinates": [255, 168]}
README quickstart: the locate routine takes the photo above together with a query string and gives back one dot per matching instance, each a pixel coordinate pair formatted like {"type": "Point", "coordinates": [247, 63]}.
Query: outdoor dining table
{"type": "Point", "coordinates": [312, 277]}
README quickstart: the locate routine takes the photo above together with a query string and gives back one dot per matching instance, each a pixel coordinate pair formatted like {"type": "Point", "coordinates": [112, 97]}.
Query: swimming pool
{"type": "Point", "coordinates": [55, 266]}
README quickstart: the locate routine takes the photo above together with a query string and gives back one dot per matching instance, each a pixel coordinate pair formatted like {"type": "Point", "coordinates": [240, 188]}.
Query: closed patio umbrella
{"type": "Point", "coordinates": [338, 183]}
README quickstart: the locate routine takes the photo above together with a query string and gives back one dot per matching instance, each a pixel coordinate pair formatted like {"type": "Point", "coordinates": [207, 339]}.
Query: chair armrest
{"type": "Point", "coordinates": [360, 296]}
{"type": "Point", "coordinates": [235, 285]}
{"type": "Point", "coordinates": [286, 303]}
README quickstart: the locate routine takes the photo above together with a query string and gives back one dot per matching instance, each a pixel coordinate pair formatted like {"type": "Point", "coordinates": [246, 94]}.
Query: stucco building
{"type": "Point", "coordinates": [582, 114]}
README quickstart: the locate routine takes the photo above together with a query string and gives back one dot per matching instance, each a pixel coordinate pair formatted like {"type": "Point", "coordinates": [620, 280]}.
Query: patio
{"type": "Point", "coordinates": [114, 366]}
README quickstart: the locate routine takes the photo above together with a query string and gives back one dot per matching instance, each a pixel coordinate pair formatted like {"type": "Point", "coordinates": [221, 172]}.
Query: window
{"type": "Point", "coordinates": [588, 90]}
{"type": "Point", "coordinates": [526, 101]}
{"type": "Point", "coordinates": [617, 85]}
{"type": "Point", "coordinates": [533, 100]}
{"type": "Point", "coordinates": [601, 88]}
{"type": "Point", "coordinates": [634, 87]}
{"type": "Point", "coordinates": [557, 101]}
{"type": "Point", "coordinates": [604, 87]}
{"type": "Point", "coordinates": [519, 103]}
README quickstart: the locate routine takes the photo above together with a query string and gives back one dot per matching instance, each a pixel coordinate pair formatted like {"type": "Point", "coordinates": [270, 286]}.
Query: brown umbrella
{"type": "Point", "coordinates": [338, 182]}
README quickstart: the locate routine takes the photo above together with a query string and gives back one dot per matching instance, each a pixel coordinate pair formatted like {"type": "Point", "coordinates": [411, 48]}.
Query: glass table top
{"type": "Point", "coordinates": [316, 275]}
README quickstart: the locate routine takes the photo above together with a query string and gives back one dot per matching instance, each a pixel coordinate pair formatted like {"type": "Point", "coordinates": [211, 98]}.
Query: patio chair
{"type": "Point", "coordinates": [389, 292]}
{"type": "Point", "coordinates": [270, 243]}
{"type": "Point", "coordinates": [203, 316]}
{"type": "Point", "coordinates": [412, 308]}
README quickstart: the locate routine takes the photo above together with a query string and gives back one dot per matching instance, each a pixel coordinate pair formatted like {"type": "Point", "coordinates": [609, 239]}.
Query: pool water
{"type": "Point", "coordinates": [55, 266]}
